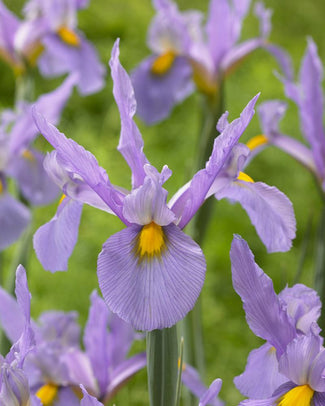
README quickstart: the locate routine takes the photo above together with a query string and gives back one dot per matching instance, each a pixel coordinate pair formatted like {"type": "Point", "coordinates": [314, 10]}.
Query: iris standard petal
{"type": "Point", "coordinates": [22, 292]}
{"type": "Point", "coordinates": [269, 210]}
{"type": "Point", "coordinates": [264, 313]}
{"type": "Point", "coordinates": [156, 95]}
{"type": "Point", "coordinates": [55, 240]}
{"type": "Point", "coordinates": [261, 376]}
{"type": "Point", "coordinates": [131, 142]}
{"type": "Point", "coordinates": [211, 393]}
{"type": "Point", "coordinates": [11, 317]}
{"type": "Point", "coordinates": [151, 291]}
{"type": "Point", "coordinates": [59, 58]}
{"type": "Point", "coordinates": [9, 24]}
{"type": "Point", "coordinates": [88, 400]}
{"type": "Point", "coordinates": [187, 203]}
{"type": "Point", "coordinates": [14, 218]}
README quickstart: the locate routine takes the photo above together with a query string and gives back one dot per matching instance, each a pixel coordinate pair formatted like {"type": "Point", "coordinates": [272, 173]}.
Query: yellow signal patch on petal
{"type": "Point", "coordinates": [298, 396]}
{"type": "Point", "coordinates": [1, 187]}
{"type": "Point", "coordinates": [257, 141]}
{"type": "Point", "coordinates": [62, 198]}
{"type": "Point", "coordinates": [28, 155]}
{"type": "Point", "coordinates": [47, 394]}
{"type": "Point", "coordinates": [151, 240]}
{"type": "Point", "coordinates": [243, 176]}
{"type": "Point", "coordinates": [68, 36]}
{"type": "Point", "coordinates": [163, 63]}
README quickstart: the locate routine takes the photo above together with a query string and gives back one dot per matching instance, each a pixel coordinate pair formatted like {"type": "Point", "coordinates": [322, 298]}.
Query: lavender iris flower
{"type": "Point", "coordinates": [150, 273]}
{"type": "Point", "coordinates": [184, 53]}
{"type": "Point", "coordinates": [278, 319]}
{"type": "Point", "coordinates": [18, 160]}
{"type": "Point", "coordinates": [308, 95]}
{"type": "Point", "coordinates": [14, 387]}
{"type": "Point", "coordinates": [48, 37]}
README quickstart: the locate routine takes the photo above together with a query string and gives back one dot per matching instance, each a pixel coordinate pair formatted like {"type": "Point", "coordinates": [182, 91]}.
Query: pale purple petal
{"type": "Point", "coordinates": [33, 181]}
{"type": "Point", "coordinates": [269, 210]}
{"type": "Point", "coordinates": [316, 374]}
{"type": "Point", "coordinates": [300, 354]}
{"type": "Point", "coordinates": [88, 400]}
{"type": "Point", "coordinates": [66, 396]}
{"type": "Point", "coordinates": [75, 159]}
{"type": "Point", "coordinates": [264, 15]}
{"type": "Point", "coordinates": [22, 292]}
{"type": "Point", "coordinates": [96, 341]}
{"type": "Point", "coordinates": [60, 58]}
{"type": "Point", "coordinates": [192, 198]}
{"type": "Point", "coordinates": [125, 371]}
{"type": "Point", "coordinates": [14, 218]}
{"type": "Point", "coordinates": [211, 393]}
{"type": "Point", "coordinates": [157, 95]}
{"type": "Point", "coordinates": [60, 327]}
{"type": "Point", "coordinates": [239, 52]}
{"type": "Point", "coordinates": [319, 399]}
{"type": "Point", "coordinates": [131, 143]}
{"type": "Point", "coordinates": [282, 57]}
{"type": "Point", "coordinates": [9, 24]}
{"type": "Point", "coordinates": [261, 376]}
{"type": "Point", "coordinates": [147, 204]}
{"type": "Point", "coordinates": [264, 313]}
{"type": "Point", "coordinates": [11, 317]}
{"type": "Point", "coordinates": [54, 241]}
{"type": "Point", "coordinates": [156, 292]}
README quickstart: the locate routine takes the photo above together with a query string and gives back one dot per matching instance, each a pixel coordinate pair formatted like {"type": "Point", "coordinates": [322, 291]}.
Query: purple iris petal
{"type": "Point", "coordinates": [156, 292]}
{"type": "Point", "coordinates": [264, 313]}
{"type": "Point", "coordinates": [211, 393]}
{"type": "Point", "coordinates": [9, 24]}
{"type": "Point", "coordinates": [88, 400]}
{"type": "Point", "coordinates": [55, 240]}
{"type": "Point", "coordinates": [131, 143]}
{"type": "Point", "coordinates": [189, 202]}
{"type": "Point", "coordinates": [14, 218]}
{"type": "Point", "coordinates": [11, 317]}
{"type": "Point", "coordinates": [157, 95]}
{"type": "Point", "coordinates": [261, 362]}
{"type": "Point", "coordinates": [34, 183]}
{"type": "Point", "coordinates": [283, 59]}
{"type": "Point", "coordinates": [269, 209]}
{"type": "Point", "coordinates": [59, 58]}
{"type": "Point", "coordinates": [319, 399]}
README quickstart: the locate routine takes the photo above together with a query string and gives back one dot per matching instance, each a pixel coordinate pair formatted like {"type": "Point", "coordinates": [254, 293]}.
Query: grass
{"type": "Point", "coordinates": [94, 122]}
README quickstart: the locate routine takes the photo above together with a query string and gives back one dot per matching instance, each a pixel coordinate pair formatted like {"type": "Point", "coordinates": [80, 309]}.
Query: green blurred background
{"type": "Point", "coordinates": [94, 122]}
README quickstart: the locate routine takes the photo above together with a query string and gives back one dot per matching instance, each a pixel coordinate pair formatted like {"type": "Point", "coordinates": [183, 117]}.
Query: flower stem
{"type": "Point", "coordinates": [162, 360]}
{"type": "Point", "coordinates": [320, 264]}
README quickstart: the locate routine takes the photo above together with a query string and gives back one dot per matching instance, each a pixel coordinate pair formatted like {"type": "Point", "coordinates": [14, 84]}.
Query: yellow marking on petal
{"type": "Point", "coordinates": [47, 394]}
{"type": "Point", "coordinates": [27, 154]}
{"type": "Point", "coordinates": [163, 63]}
{"type": "Point", "coordinates": [1, 187]}
{"type": "Point", "coordinates": [151, 240]}
{"type": "Point", "coordinates": [68, 36]}
{"type": "Point", "coordinates": [246, 178]}
{"type": "Point", "coordinates": [62, 198]}
{"type": "Point", "coordinates": [257, 141]}
{"type": "Point", "coordinates": [205, 82]}
{"type": "Point", "coordinates": [298, 396]}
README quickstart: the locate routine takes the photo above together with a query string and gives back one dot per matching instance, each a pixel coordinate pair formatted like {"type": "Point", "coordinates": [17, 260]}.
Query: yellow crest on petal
{"type": "Point", "coordinates": [27, 154]}
{"type": "Point", "coordinates": [298, 396]}
{"type": "Point", "coordinates": [68, 36]}
{"type": "Point", "coordinates": [47, 394]}
{"type": "Point", "coordinates": [246, 178]}
{"type": "Point", "coordinates": [257, 141]}
{"type": "Point", "coordinates": [151, 240]}
{"type": "Point", "coordinates": [1, 187]}
{"type": "Point", "coordinates": [163, 63]}
{"type": "Point", "coordinates": [62, 198]}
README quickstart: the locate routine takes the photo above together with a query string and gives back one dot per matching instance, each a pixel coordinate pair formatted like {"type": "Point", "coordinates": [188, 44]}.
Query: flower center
{"type": "Point", "coordinates": [298, 396]}
{"type": "Point", "coordinates": [246, 178]}
{"type": "Point", "coordinates": [257, 141]}
{"type": "Point", "coordinates": [163, 63]}
{"type": "Point", "coordinates": [151, 240]}
{"type": "Point", "coordinates": [68, 36]}
{"type": "Point", "coordinates": [47, 394]}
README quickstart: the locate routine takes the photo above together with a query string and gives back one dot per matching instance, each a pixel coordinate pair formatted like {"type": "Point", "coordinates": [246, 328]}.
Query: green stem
{"type": "Point", "coordinates": [320, 264]}
{"type": "Point", "coordinates": [162, 360]}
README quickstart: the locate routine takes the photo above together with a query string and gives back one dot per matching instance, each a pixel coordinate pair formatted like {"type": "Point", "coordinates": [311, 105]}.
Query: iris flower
{"type": "Point", "coordinates": [151, 272]}
{"type": "Point", "coordinates": [278, 319]}
{"type": "Point", "coordinates": [20, 161]}
{"type": "Point", "coordinates": [186, 52]}
{"type": "Point", "coordinates": [308, 95]}
{"type": "Point", "coordinates": [48, 37]}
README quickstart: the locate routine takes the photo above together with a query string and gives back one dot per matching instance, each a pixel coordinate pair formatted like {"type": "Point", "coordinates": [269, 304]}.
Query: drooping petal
{"type": "Point", "coordinates": [59, 58]}
{"type": "Point", "coordinates": [14, 218]}
{"type": "Point", "coordinates": [261, 376]}
{"type": "Point", "coordinates": [131, 143]}
{"type": "Point", "coordinates": [55, 240]}
{"type": "Point", "coordinates": [11, 317]}
{"type": "Point", "coordinates": [156, 95]}
{"type": "Point", "coordinates": [96, 341]}
{"type": "Point", "coordinates": [270, 211]}
{"type": "Point", "coordinates": [187, 203]}
{"type": "Point", "coordinates": [151, 292]}
{"type": "Point", "coordinates": [264, 313]}
{"type": "Point", "coordinates": [33, 181]}
{"type": "Point", "coordinates": [88, 400]}
{"type": "Point", "coordinates": [75, 159]}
